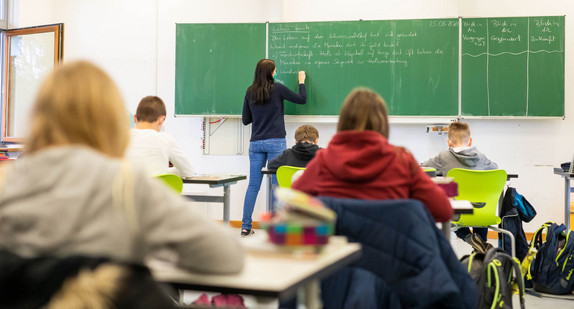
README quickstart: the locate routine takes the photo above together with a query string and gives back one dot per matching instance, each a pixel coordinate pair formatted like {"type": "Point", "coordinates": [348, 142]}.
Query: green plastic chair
{"type": "Point", "coordinates": [483, 189]}
{"type": "Point", "coordinates": [431, 171]}
{"type": "Point", "coordinates": [285, 175]}
{"type": "Point", "coordinates": [173, 181]}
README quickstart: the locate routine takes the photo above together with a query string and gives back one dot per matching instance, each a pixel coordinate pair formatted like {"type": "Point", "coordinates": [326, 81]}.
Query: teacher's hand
{"type": "Point", "coordinates": [301, 77]}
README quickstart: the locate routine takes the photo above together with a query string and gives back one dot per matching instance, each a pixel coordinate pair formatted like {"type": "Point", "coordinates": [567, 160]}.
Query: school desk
{"type": "Point", "coordinates": [11, 149]}
{"type": "Point", "coordinates": [567, 190]}
{"type": "Point", "coordinates": [215, 181]}
{"type": "Point", "coordinates": [508, 176]}
{"type": "Point", "coordinates": [460, 207]}
{"type": "Point", "coordinates": [268, 273]}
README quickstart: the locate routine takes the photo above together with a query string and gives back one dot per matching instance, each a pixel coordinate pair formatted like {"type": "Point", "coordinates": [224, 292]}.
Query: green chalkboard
{"type": "Point", "coordinates": [413, 64]}
{"type": "Point", "coordinates": [512, 66]}
{"type": "Point", "coordinates": [214, 65]}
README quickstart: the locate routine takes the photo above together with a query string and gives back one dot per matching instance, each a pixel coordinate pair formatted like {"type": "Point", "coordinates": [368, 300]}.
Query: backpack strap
{"type": "Point", "coordinates": [566, 247]}
{"type": "Point", "coordinates": [536, 243]}
{"type": "Point", "coordinates": [519, 280]}
{"type": "Point", "coordinates": [537, 238]}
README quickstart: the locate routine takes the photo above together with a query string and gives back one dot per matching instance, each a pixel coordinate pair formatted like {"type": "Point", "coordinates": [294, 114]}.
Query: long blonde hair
{"type": "Point", "coordinates": [79, 104]}
{"type": "Point", "coordinates": [364, 110]}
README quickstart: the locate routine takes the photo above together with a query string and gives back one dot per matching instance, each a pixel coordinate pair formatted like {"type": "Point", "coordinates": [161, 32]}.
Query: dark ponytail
{"type": "Point", "coordinates": [260, 90]}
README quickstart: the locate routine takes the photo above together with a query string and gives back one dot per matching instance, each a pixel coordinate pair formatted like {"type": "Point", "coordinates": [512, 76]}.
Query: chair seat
{"type": "Point", "coordinates": [470, 220]}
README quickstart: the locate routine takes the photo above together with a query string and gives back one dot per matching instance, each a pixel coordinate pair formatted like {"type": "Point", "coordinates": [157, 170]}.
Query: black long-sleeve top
{"type": "Point", "coordinates": [268, 119]}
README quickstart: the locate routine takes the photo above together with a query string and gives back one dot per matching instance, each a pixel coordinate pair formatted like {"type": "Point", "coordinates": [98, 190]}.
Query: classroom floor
{"type": "Point", "coordinates": [460, 248]}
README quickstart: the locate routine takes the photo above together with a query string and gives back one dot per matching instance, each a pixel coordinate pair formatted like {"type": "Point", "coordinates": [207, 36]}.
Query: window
{"type": "Point", "coordinates": [29, 55]}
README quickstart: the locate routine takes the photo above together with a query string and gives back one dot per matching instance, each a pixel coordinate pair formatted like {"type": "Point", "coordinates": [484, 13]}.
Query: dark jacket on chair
{"type": "Point", "coordinates": [76, 281]}
{"type": "Point", "coordinates": [515, 209]}
{"type": "Point", "coordinates": [406, 261]}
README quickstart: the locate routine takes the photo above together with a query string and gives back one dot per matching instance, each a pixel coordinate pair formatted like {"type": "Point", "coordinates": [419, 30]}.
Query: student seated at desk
{"type": "Point", "coordinates": [154, 149]}
{"type": "Point", "coordinates": [306, 138]}
{"type": "Point", "coordinates": [75, 194]}
{"type": "Point", "coordinates": [461, 154]}
{"type": "Point", "coordinates": [360, 163]}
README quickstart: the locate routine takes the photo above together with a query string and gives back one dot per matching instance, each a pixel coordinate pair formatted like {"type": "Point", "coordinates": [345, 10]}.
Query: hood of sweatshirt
{"type": "Point", "coordinates": [70, 175]}
{"type": "Point", "coordinates": [468, 156]}
{"type": "Point", "coordinates": [358, 156]}
{"type": "Point", "coordinates": [304, 151]}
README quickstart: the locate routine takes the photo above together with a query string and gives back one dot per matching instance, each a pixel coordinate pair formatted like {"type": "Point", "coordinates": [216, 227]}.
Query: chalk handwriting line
{"type": "Point", "coordinates": [289, 31]}
{"type": "Point", "coordinates": [515, 54]}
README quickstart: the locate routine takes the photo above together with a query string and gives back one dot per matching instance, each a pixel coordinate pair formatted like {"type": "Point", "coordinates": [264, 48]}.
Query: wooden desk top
{"type": "Point", "coordinates": [264, 274]}
{"type": "Point", "coordinates": [265, 171]}
{"type": "Point", "coordinates": [213, 179]}
{"type": "Point", "coordinates": [461, 207]}
{"type": "Point", "coordinates": [11, 149]}
{"type": "Point", "coordinates": [508, 176]}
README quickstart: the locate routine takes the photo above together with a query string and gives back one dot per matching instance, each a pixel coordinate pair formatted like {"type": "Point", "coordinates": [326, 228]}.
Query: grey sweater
{"type": "Point", "coordinates": [64, 201]}
{"type": "Point", "coordinates": [469, 158]}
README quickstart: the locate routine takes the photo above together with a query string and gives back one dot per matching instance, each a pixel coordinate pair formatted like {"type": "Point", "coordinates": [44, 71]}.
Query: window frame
{"type": "Point", "coordinates": [58, 30]}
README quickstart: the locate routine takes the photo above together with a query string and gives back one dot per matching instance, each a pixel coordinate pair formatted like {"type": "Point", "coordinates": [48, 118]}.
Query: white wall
{"type": "Point", "coordinates": [134, 40]}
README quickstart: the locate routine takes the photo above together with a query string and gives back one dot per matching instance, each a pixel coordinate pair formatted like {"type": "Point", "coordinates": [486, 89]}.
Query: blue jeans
{"type": "Point", "coordinates": [259, 152]}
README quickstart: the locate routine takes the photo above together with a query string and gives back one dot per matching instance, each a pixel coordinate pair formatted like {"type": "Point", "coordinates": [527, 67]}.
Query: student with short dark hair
{"type": "Point", "coordinates": [360, 163]}
{"type": "Point", "coordinates": [306, 138]}
{"type": "Point", "coordinates": [153, 149]}
{"type": "Point", "coordinates": [461, 154]}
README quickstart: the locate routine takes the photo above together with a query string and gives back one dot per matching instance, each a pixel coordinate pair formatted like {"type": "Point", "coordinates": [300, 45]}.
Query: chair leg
{"type": "Point", "coordinates": [509, 234]}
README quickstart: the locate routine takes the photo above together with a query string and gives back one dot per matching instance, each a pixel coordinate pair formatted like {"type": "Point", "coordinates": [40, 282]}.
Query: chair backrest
{"type": "Point", "coordinates": [173, 181]}
{"type": "Point", "coordinates": [285, 175]}
{"type": "Point", "coordinates": [479, 187]}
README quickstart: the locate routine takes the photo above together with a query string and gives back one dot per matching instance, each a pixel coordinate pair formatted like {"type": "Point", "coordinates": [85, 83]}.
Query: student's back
{"type": "Point", "coordinates": [154, 150]}
{"type": "Point", "coordinates": [360, 163]}
{"type": "Point", "coordinates": [468, 158]}
{"type": "Point", "coordinates": [461, 153]}
{"type": "Point", "coordinates": [73, 192]}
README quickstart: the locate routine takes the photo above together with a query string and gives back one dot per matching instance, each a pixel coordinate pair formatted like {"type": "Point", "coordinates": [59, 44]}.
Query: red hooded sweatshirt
{"type": "Point", "coordinates": [363, 165]}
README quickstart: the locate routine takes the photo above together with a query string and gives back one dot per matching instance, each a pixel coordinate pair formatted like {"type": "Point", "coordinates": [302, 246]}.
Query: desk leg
{"type": "Point", "coordinates": [226, 203]}
{"type": "Point", "coordinates": [446, 229]}
{"type": "Point", "coordinates": [308, 297]}
{"type": "Point", "coordinates": [269, 193]}
{"type": "Point", "coordinates": [567, 202]}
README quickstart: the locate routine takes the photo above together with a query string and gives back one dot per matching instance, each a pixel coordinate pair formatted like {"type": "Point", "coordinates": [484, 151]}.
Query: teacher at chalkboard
{"type": "Point", "coordinates": [263, 107]}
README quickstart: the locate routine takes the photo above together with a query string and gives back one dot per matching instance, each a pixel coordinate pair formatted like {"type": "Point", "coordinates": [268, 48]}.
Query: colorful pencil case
{"type": "Point", "coordinates": [297, 234]}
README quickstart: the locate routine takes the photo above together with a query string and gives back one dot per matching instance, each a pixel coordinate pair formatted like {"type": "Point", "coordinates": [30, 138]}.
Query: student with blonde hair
{"type": "Point", "coordinates": [461, 154]}
{"type": "Point", "coordinates": [360, 163]}
{"type": "Point", "coordinates": [74, 194]}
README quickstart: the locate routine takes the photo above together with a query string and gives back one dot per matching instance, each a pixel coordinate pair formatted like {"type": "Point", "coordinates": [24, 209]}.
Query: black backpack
{"type": "Point", "coordinates": [495, 274]}
{"type": "Point", "coordinates": [553, 267]}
